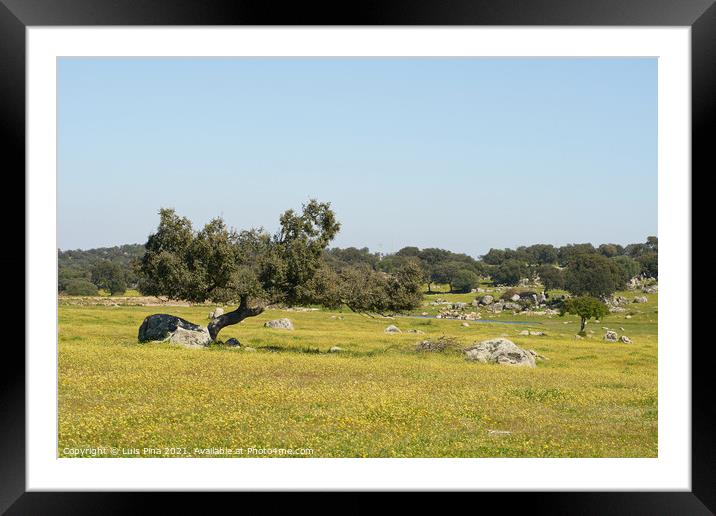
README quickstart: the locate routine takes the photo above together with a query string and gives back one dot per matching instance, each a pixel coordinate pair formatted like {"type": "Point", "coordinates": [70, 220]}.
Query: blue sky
{"type": "Point", "coordinates": [464, 154]}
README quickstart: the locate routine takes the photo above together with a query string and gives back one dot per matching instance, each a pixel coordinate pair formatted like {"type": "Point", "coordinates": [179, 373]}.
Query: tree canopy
{"type": "Point", "coordinates": [586, 307]}
{"type": "Point", "coordinates": [593, 275]}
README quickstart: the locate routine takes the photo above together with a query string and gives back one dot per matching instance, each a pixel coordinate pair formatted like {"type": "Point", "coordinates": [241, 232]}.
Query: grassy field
{"type": "Point", "coordinates": [377, 398]}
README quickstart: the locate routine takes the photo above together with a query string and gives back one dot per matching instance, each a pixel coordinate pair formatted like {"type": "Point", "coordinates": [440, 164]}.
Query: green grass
{"type": "Point", "coordinates": [378, 398]}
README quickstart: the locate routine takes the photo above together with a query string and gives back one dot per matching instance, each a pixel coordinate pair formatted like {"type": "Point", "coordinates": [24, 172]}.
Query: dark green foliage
{"type": "Point", "coordinates": [629, 267]}
{"type": "Point", "coordinates": [586, 307]}
{"type": "Point", "coordinates": [570, 251]}
{"type": "Point", "coordinates": [364, 290]}
{"type": "Point", "coordinates": [494, 257]}
{"type": "Point", "coordinates": [109, 276]}
{"type": "Point", "coordinates": [509, 273]}
{"type": "Point", "coordinates": [542, 254]}
{"type": "Point", "coordinates": [411, 252]}
{"type": "Point", "coordinates": [339, 258]}
{"type": "Point", "coordinates": [80, 287]}
{"type": "Point", "coordinates": [552, 277]}
{"type": "Point", "coordinates": [593, 275]}
{"type": "Point", "coordinates": [610, 250]}
{"type": "Point", "coordinates": [222, 265]}
{"type": "Point", "coordinates": [465, 281]}
{"type": "Point", "coordinates": [649, 262]}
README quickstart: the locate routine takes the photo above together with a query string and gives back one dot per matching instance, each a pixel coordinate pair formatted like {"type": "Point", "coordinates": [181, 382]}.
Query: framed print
{"type": "Point", "coordinates": [413, 249]}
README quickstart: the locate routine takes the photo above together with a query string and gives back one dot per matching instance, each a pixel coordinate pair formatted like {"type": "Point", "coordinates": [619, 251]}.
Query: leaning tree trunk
{"type": "Point", "coordinates": [235, 317]}
{"type": "Point", "coordinates": [584, 323]}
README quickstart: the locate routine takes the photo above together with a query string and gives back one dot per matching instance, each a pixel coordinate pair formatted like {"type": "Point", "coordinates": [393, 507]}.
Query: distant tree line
{"type": "Point", "coordinates": [84, 272]}
{"type": "Point", "coordinates": [612, 265]}
{"type": "Point", "coordinates": [582, 269]}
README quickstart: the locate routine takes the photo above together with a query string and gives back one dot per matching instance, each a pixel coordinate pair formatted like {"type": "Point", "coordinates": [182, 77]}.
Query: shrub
{"type": "Point", "coordinates": [465, 281]}
{"type": "Point", "coordinates": [80, 287]}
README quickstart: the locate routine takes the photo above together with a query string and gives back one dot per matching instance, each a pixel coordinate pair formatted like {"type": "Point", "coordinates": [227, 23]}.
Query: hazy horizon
{"type": "Point", "coordinates": [465, 154]}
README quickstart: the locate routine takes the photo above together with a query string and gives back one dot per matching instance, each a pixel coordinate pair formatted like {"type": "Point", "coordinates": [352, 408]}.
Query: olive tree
{"type": "Point", "coordinates": [251, 268]}
{"type": "Point", "coordinates": [586, 307]}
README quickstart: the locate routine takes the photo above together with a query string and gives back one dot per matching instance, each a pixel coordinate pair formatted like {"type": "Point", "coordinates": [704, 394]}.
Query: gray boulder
{"type": "Point", "coordinates": [161, 327]}
{"type": "Point", "coordinates": [611, 336]}
{"type": "Point", "coordinates": [280, 324]}
{"type": "Point", "coordinates": [499, 351]}
{"type": "Point", "coordinates": [233, 342]}
{"type": "Point", "coordinates": [625, 339]}
{"type": "Point", "coordinates": [392, 329]}
{"type": "Point", "coordinates": [641, 299]}
{"type": "Point", "coordinates": [487, 299]}
{"type": "Point", "coordinates": [335, 349]}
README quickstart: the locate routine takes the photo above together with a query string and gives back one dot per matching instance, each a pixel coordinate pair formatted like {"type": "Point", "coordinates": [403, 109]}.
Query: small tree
{"type": "Point", "coordinates": [465, 281]}
{"type": "Point", "coordinates": [446, 273]}
{"type": "Point", "coordinates": [586, 307]}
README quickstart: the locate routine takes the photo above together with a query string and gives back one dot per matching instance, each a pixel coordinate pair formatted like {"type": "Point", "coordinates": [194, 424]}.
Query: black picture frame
{"type": "Point", "coordinates": [17, 15]}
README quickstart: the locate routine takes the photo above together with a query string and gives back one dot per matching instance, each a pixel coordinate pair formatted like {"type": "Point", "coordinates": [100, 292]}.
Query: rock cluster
{"type": "Point", "coordinates": [453, 313]}
{"type": "Point", "coordinates": [613, 336]}
{"type": "Point", "coordinates": [441, 344]}
{"type": "Point", "coordinates": [533, 333]}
